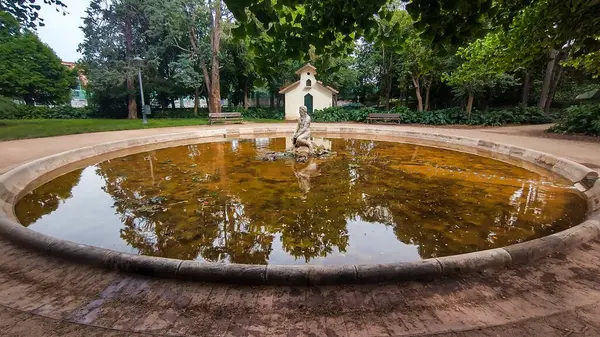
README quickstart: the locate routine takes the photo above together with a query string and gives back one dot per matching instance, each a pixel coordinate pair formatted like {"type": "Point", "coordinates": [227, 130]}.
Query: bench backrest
{"type": "Point", "coordinates": [225, 114]}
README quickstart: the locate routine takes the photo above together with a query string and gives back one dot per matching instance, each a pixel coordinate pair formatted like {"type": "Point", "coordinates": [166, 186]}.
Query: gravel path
{"type": "Point", "coordinates": [45, 296]}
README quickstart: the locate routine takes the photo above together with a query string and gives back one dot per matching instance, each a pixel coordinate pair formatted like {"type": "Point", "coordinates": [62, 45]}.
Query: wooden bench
{"type": "Point", "coordinates": [224, 117]}
{"type": "Point", "coordinates": [383, 117]}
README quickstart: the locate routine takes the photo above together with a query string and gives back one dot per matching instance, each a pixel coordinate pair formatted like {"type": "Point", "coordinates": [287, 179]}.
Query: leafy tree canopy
{"type": "Point", "coordinates": [26, 12]}
{"type": "Point", "coordinates": [29, 69]}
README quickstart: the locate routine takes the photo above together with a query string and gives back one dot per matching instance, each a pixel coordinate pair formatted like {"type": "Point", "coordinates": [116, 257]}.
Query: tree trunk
{"type": "Point", "coordinates": [272, 100]}
{"type": "Point", "coordinates": [196, 100]}
{"type": "Point", "coordinates": [181, 102]}
{"type": "Point", "coordinates": [486, 100]}
{"type": "Point", "coordinates": [427, 90]}
{"type": "Point", "coordinates": [278, 101]}
{"type": "Point", "coordinates": [131, 103]}
{"type": "Point", "coordinates": [470, 105]}
{"type": "Point", "coordinates": [526, 87]}
{"type": "Point", "coordinates": [418, 93]}
{"type": "Point", "coordinates": [546, 86]}
{"type": "Point", "coordinates": [388, 79]}
{"type": "Point", "coordinates": [388, 91]}
{"type": "Point", "coordinates": [207, 84]}
{"type": "Point", "coordinates": [553, 87]}
{"type": "Point", "coordinates": [246, 95]}
{"type": "Point", "coordinates": [215, 92]}
{"type": "Point", "coordinates": [257, 98]}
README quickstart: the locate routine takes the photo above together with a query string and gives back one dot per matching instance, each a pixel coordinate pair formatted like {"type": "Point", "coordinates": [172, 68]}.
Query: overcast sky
{"type": "Point", "coordinates": [62, 33]}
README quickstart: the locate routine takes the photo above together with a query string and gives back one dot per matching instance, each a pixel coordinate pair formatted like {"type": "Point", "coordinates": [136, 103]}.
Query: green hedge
{"type": "Point", "coordinates": [179, 113]}
{"type": "Point", "coordinates": [203, 113]}
{"type": "Point", "coordinates": [517, 115]}
{"type": "Point", "coordinates": [342, 114]}
{"type": "Point", "coordinates": [263, 113]}
{"type": "Point", "coordinates": [9, 110]}
{"type": "Point", "coordinates": [583, 119]}
{"type": "Point", "coordinates": [20, 111]}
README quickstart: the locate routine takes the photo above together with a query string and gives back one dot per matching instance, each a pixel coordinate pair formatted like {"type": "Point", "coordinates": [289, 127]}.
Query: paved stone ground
{"type": "Point", "coordinates": [45, 296]}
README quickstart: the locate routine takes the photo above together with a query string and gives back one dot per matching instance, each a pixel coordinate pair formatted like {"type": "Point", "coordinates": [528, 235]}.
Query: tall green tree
{"type": "Point", "coordinates": [113, 37]}
{"type": "Point", "coordinates": [478, 73]}
{"type": "Point", "coordinates": [29, 69]}
{"type": "Point", "coordinates": [195, 29]}
{"type": "Point", "coordinates": [238, 68]}
{"type": "Point", "coordinates": [185, 26]}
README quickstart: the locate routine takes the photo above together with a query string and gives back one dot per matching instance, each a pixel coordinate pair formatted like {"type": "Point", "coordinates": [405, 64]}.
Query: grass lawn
{"type": "Point", "coordinates": [34, 128]}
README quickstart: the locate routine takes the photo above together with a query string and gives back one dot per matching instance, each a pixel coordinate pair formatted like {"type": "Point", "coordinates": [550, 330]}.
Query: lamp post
{"type": "Point", "coordinates": [139, 62]}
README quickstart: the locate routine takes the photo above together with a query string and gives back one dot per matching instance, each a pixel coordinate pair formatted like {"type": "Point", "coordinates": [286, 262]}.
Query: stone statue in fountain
{"type": "Point", "coordinates": [303, 144]}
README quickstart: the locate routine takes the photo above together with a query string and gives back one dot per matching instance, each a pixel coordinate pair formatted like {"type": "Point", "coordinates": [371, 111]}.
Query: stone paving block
{"type": "Point", "coordinates": [156, 322]}
{"type": "Point", "coordinates": [296, 328]}
{"type": "Point", "coordinates": [61, 307]}
{"type": "Point", "coordinates": [289, 300]}
{"type": "Point", "coordinates": [239, 326]}
{"type": "Point", "coordinates": [217, 296]}
{"type": "Point", "coordinates": [32, 326]}
{"type": "Point", "coordinates": [264, 299]}
{"type": "Point", "coordinates": [12, 290]}
{"type": "Point", "coordinates": [107, 314]}
{"type": "Point", "coordinates": [355, 327]}
{"type": "Point", "coordinates": [268, 325]}
{"type": "Point", "coordinates": [182, 325]}
{"type": "Point", "coordinates": [199, 294]}
{"type": "Point", "coordinates": [9, 317]}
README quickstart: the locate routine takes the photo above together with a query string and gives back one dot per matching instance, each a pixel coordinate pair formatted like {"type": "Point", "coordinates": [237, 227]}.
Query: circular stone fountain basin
{"type": "Point", "coordinates": [386, 205]}
{"type": "Point", "coordinates": [367, 202]}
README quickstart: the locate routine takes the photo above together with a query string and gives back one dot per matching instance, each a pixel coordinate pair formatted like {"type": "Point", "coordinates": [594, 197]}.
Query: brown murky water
{"type": "Point", "coordinates": [373, 202]}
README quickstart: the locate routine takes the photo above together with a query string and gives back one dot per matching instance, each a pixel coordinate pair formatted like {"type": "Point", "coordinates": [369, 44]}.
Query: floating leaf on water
{"type": "Point", "coordinates": [166, 161]}
{"type": "Point", "coordinates": [193, 165]}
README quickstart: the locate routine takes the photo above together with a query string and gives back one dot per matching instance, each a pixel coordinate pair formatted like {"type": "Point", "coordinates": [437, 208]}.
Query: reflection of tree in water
{"type": "Point", "coordinates": [314, 223]}
{"type": "Point", "coordinates": [445, 211]}
{"type": "Point", "coordinates": [169, 217]}
{"type": "Point", "coordinates": [46, 198]}
{"type": "Point", "coordinates": [218, 202]}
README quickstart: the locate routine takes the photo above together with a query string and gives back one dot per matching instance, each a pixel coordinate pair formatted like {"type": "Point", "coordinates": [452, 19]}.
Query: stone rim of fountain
{"type": "Point", "coordinates": [20, 180]}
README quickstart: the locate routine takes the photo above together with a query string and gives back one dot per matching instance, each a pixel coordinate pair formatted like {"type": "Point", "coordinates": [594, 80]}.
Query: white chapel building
{"type": "Point", "coordinates": [308, 92]}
